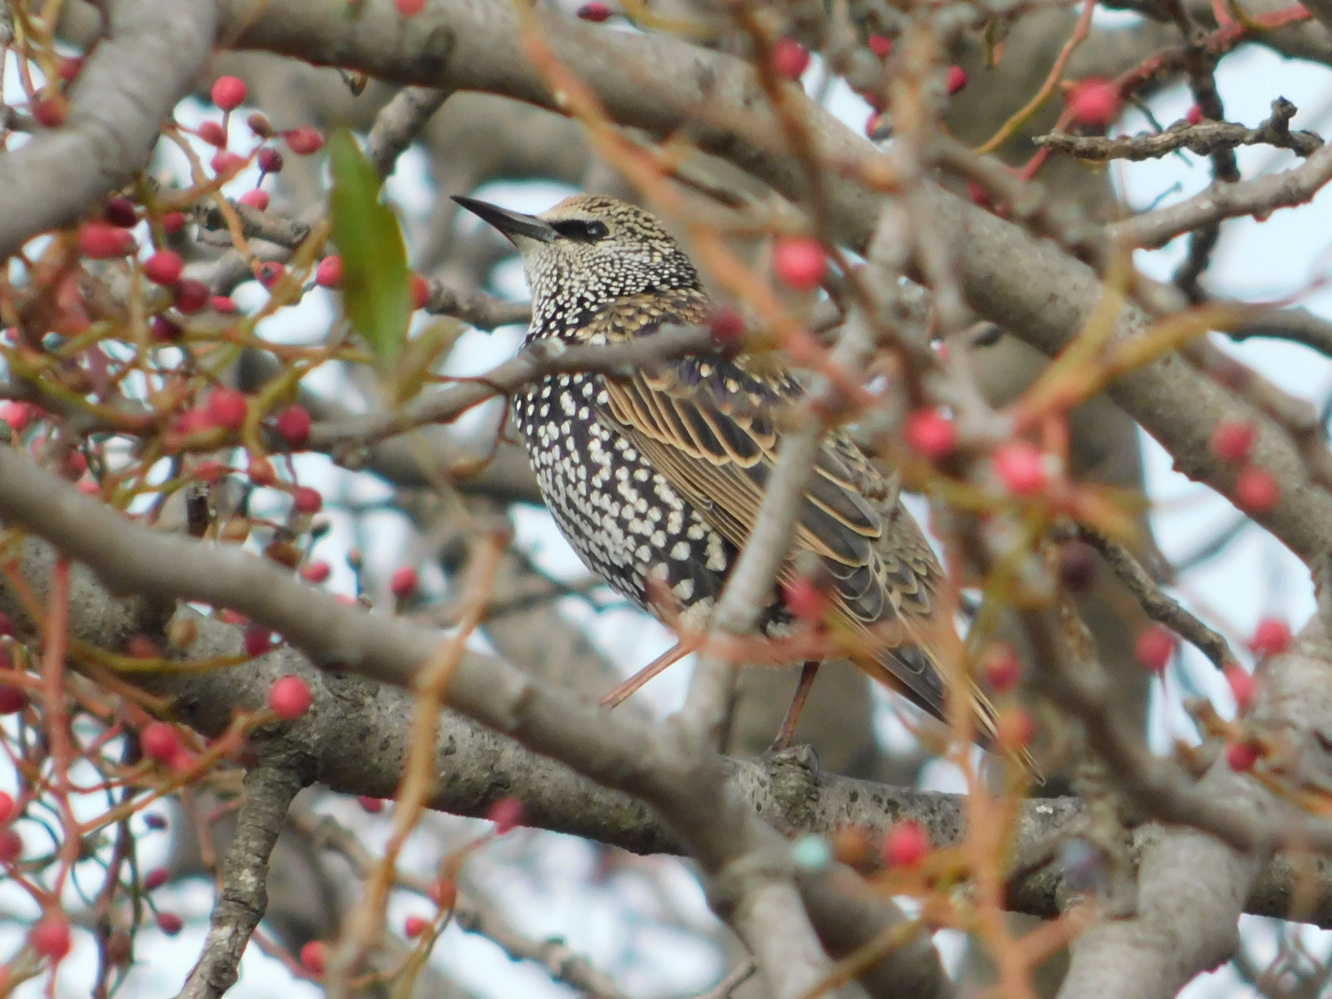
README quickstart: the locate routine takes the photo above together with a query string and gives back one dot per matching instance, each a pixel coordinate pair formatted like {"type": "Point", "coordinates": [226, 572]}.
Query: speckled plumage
{"type": "Point", "coordinates": [659, 476]}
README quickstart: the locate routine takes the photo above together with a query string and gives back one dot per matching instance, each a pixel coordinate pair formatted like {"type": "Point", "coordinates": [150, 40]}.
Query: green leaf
{"type": "Point", "coordinates": [375, 281]}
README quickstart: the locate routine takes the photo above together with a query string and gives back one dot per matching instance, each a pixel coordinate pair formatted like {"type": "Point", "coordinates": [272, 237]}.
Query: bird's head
{"type": "Point", "coordinates": [589, 250]}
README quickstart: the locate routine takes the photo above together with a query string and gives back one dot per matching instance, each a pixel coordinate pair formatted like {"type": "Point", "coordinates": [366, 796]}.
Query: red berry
{"type": "Point", "coordinates": [269, 273]}
{"type": "Point", "coordinates": [226, 163]}
{"type": "Point", "coordinates": [1256, 491]}
{"type": "Point", "coordinates": [173, 222]}
{"type": "Point", "coordinates": [956, 79]}
{"type": "Point", "coordinates": [290, 698]}
{"type": "Point", "coordinates": [315, 572]}
{"type": "Point", "coordinates": [214, 134]}
{"type": "Point", "coordinates": [881, 45]}
{"type": "Point", "coordinates": [50, 937]}
{"type": "Point", "coordinates": [191, 296]}
{"type": "Point", "coordinates": [256, 198]}
{"type": "Point", "coordinates": [313, 956]}
{"type": "Point", "coordinates": [329, 272]}
{"type": "Point", "coordinates": [420, 291]}
{"type": "Point", "coordinates": [1232, 440]}
{"type": "Point", "coordinates": [159, 741]}
{"type": "Point", "coordinates": [1271, 638]}
{"type": "Point", "coordinates": [120, 211]}
{"type": "Point", "coordinates": [229, 92]}
{"type": "Point", "coordinates": [307, 500]}
{"type": "Point", "coordinates": [906, 845]}
{"type": "Point", "coordinates": [804, 598]}
{"type": "Point", "coordinates": [155, 878]}
{"type": "Point", "coordinates": [1095, 102]}
{"type": "Point", "coordinates": [293, 426]}
{"type": "Point", "coordinates": [270, 160]}
{"type": "Point", "coordinates": [163, 267]}
{"type": "Point", "coordinates": [1014, 728]}
{"type": "Point", "coordinates": [507, 814]}
{"type": "Point", "coordinates": [1020, 467]}
{"type": "Point", "coordinates": [876, 125]}
{"type": "Point", "coordinates": [1154, 647]}
{"type": "Point", "coordinates": [102, 241]}
{"type": "Point", "coordinates": [69, 67]}
{"type": "Point", "coordinates": [1002, 667]}
{"type": "Point", "coordinates": [227, 408]}
{"type": "Point", "coordinates": [1194, 115]}
{"type": "Point", "coordinates": [12, 699]}
{"type": "Point", "coordinates": [1242, 687]}
{"type": "Point", "coordinates": [257, 640]}
{"type": "Point", "coordinates": [304, 141]}
{"type": "Point", "coordinates": [930, 433]}
{"type": "Point", "coordinates": [166, 330]}
{"type": "Point", "coordinates": [50, 110]}
{"type": "Point", "coordinates": [596, 12]}
{"type": "Point", "coordinates": [11, 846]}
{"type": "Point", "coordinates": [1241, 756]}
{"type": "Point", "coordinates": [7, 809]}
{"type": "Point", "coordinates": [726, 326]}
{"type": "Point", "coordinates": [371, 805]}
{"type": "Point", "coordinates": [210, 471]}
{"type": "Point", "coordinates": [17, 414]}
{"type": "Point", "coordinates": [799, 262]}
{"type": "Point", "coordinates": [409, 8]}
{"type": "Point", "coordinates": [170, 923]}
{"type": "Point", "coordinates": [404, 582]}
{"type": "Point", "coordinates": [183, 761]}
{"type": "Point", "coordinates": [415, 926]}
{"type": "Point", "coordinates": [223, 304]}
{"type": "Point", "coordinates": [789, 58]}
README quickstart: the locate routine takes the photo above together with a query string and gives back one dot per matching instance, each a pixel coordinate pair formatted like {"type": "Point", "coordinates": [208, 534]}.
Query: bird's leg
{"type": "Point", "coordinates": [807, 673]}
{"type": "Point", "coordinates": [670, 657]}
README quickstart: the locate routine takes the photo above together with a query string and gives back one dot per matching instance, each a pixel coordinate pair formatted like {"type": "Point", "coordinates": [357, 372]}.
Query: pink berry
{"type": "Point", "coordinates": [1002, 667]}
{"type": "Point", "coordinates": [173, 222]}
{"type": "Point", "coordinates": [1242, 687]}
{"type": "Point", "coordinates": [155, 878]}
{"type": "Point", "coordinates": [906, 845]}
{"type": "Point", "coordinates": [1256, 491]}
{"type": "Point", "coordinates": [313, 956]}
{"type": "Point", "coordinates": [50, 110]}
{"type": "Point", "coordinates": [329, 272]}
{"type": "Point", "coordinates": [50, 937]}
{"type": "Point", "coordinates": [170, 923]}
{"type": "Point", "coordinates": [182, 761]}
{"type": "Point", "coordinates": [1271, 638]}
{"type": "Point", "coordinates": [17, 415]}
{"type": "Point", "coordinates": [226, 163]}
{"type": "Point", "coordinates": [507, 814]}
{"type": "Point", "coordinates": [159, 741]}
{"type": "Point", "coordinates": [1154, 647]}
{"type": "Point", "coordinates": [307, 500]}
{"type": "Point", "coordinates": [930, 433]}
{"type": "Point", "coordinates": [1194, 115]}
{"type": "Point", "coordinates": [955, 80]}
{"type": "Point", "coordinates": [269, 273]}
{"type": "Point", "coordinates": [290, 698]}
{"type": "Point", "coordinates": [410, 8]}
{"type": "Point", "coordinates": [224, 304]}
{"type": "Point", "coordinates": [420, 291]}
{"type": "Point", "coordinates": [804, 598]}
{"type": "Point", "coordinates": [256, 198]}
{"type": "Point", "coordinates": [1233, 440]}
{"type": "Point", "coordinates": [371, 805]}
{"type": "Point", "coordinates": [789, 58]}
{"type": "Point", "coordinates": [404, 582]}
{"type": "Point", "coordinates": [11, 846]}
{"type": "Point", "coordinates": [799, 262]}
{"type": "Point", "coordinates": [7, 808]}
{"type": "Point", "coordinates": [1241, 756]}
{"type": "Point", "coordinates": [881, 45]}
{"type": "Point", "coordinates": [304, 141]}
{"type": "Point", "coordinates": [316, 572]}
{"type": "Point", "coordinates": [163, 267]}
{"type": "Point", "coordinates": [1020, 467]}
{"type": "Point", "coordinates": [1014, 728]}
{"type": "Point", "coordinates": [69, 67]}
{"type": "Point", "coordinates": [227, 408]}
{"type": "Point", "coordinates": [1094, 102]}
{"type": "Point", "coordinates": [210, 471]}
{"type": "Point", "coordinates": [214, 134]}
{"type": "Point", "coordinates": [270, 160]}
{"type": "Point", "coordinates": [257, 640]}
{"type": "Point", "coordinates": [596, 12]}
{"type": "Point", "coordinates": [293, 426]}
{"type": "Point", "coordinates": [120, 211]}
{"type": "Point", "coordinates": [101, 241]}
{"type": "Point", "coordinates": [414, 926]}
{"type": "Point", "coordinates": [229, 92]}
{"type": "Point", "coordinates": [191, 296]}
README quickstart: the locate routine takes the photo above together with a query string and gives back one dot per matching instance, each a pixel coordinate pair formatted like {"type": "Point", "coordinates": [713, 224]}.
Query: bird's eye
{"type": "Point", "coordinates": [582, 230]}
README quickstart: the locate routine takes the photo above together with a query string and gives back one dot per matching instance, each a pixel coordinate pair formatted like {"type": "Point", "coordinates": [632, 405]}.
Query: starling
{"type": "Point", "coordinates": [656, 478]}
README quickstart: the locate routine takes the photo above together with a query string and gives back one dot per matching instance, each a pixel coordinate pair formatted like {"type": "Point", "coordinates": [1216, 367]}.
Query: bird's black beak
{"type": "Point", "coordinates": [510, 223]}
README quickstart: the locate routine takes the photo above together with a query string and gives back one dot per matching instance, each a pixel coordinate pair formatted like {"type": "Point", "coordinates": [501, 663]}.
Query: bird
{"type": "Point", "coordinates": [656, 477]}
